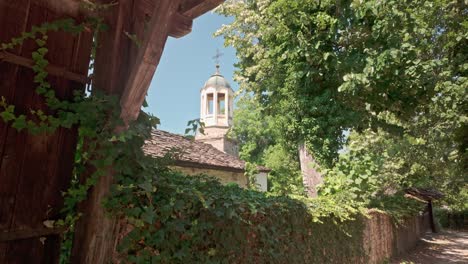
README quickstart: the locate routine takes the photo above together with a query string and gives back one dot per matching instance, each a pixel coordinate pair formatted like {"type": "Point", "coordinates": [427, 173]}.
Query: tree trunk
{"type": "Point", "coordinates": [310, 176]}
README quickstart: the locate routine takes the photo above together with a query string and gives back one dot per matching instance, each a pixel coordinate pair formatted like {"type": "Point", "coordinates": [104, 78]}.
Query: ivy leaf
{"type": "Point", "coordinates": [146, 186]}
{"type": "Point", "coordinates": [7, 116]}
{"type": "Point", "coordinates": [148, 215]}
{"type": "Point", "coordinates": [20, 123]}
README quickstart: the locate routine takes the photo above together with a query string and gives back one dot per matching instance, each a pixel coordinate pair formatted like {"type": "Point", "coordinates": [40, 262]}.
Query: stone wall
{"type": "Point", "coordinates": [383, 240]}
{"type": "Point", "coordinates": [217, 137]}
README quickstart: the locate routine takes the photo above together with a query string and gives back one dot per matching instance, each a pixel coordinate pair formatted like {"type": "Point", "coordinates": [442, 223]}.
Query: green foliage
{"type": "Point", "coordinates": [196, 219]}
{"type": "Point", "coordinates": [260, 143]}
{"type": "Point", "coordinates": [195, 126]}
{"type": "Point", "coordinates": [452, 219]}
{"type": "Point", "coordinates": [370, 173]}
{"type": "Point", "coordinates": [357, 176]}
{"type": "Point", "coordinates": [377, 164]}
{"type": "Point", "coordinates": [326, 66]}
{"type": "Point", "coordinates": [285, 177]}
{"type": "Point", "coordinates": [252, 129]}
{"type": "Point", "coordinates": [398, 206]}
{"type": "Point", "coordinates": [394, 72]}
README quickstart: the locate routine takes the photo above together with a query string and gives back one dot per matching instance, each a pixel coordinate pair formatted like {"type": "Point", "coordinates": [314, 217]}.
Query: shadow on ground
{"type": "Point", "coordinates": [444, 247]}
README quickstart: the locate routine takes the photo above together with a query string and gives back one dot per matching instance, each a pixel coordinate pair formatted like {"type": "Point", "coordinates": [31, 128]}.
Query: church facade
{"type": "Point", "coordinates": [212, 152]}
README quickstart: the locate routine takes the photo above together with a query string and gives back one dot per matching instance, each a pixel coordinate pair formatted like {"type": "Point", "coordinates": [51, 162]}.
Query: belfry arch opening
{"type": "Point", "coordinates": [210, 104]}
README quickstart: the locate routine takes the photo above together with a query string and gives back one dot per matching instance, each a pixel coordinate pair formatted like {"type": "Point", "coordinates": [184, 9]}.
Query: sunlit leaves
{"type": "Point", "coordinates": [325, 66]}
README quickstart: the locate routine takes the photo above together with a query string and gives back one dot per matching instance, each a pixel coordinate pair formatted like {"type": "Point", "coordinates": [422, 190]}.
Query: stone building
{"type": "Point", "coordinates": [212, 152]}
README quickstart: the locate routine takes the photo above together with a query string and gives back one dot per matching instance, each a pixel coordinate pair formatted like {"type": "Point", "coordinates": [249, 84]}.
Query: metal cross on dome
{"type": "Point", "coordinates": [217, 56]}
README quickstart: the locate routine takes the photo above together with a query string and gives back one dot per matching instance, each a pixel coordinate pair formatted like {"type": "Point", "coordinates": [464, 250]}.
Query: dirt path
{"type": "Point", "coordinates": [440, 248]}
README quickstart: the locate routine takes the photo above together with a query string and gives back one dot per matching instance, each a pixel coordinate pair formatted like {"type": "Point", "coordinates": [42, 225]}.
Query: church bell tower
{"type": "Point", "coordinates": [216, 110]}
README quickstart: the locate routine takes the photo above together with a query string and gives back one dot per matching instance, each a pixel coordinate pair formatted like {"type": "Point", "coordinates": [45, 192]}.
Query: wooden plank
{"type": "Point", "coordinates": [35, 170]}
{"type": "Point", "coordinates": [196, 8]}
{"type": "Point", "coordinates": [71, 8]}
{"type": "Point", "coordinates": [147, 60]}
{"type": "Point", "coordinates": [7, 90]}
{"type": "Point", "coordinates": [12, 148]}
{"type": "Point", "coordinates": [25, 167]}
{"type": "Point", "coordinates": [29, 233]}
{"type": "Point", "coordinates": [111, 65]}
{"type": "Point", "coordinates": [51, 69]}
{"type": "Point", "coordinates": [7, 84]}
{"type": "Point", "coordinates": [431, 217]}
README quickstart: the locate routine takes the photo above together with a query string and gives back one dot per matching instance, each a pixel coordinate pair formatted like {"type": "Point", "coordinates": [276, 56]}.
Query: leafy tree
{"type": "Point", "coordinates": [261, 143]}
{"type": "Point", "coordinates": [285, 176]}
{"type": "Point", "coordinates": [379, 163]}
{"type": "Point", "coordinates": [326, 66]}
{"type": "Point", "coordinates": [393, 72]}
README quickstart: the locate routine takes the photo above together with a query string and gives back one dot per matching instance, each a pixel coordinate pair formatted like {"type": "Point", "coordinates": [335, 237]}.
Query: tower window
{"type": "Point", "coordinates": [210, 105]}
{"type": "Point", "coordinates": [221, 103]}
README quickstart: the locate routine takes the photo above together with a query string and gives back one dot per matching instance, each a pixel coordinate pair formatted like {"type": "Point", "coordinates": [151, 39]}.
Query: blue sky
{"type": "Point", "coordinates": [186, 63]}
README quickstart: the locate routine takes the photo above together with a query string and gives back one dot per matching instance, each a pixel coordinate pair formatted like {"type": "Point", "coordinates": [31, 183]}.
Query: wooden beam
{"type": "Point", "coordinates": [180, 26]}
{"type": "Point", "coordinates": [72, 8]}
{"type": "Point", "coordinates": [51, 69]}
{"type": "Point", "coordinates": [29, 233]}
{"type": "Point", "coordinates": [165, 12]}
{"type": "Point", "coordinates": [147, 59]}
{"type": "Point", "coordinates": [196, 8]}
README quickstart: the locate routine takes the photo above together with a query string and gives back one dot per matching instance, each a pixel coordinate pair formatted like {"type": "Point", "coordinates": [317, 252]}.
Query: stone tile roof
{"type": "Point", "coordinates": [191, 153]}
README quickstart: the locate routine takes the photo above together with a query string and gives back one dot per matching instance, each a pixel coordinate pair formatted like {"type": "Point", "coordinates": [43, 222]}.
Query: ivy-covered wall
{"type": "Point", "coordinates": [199, 220]}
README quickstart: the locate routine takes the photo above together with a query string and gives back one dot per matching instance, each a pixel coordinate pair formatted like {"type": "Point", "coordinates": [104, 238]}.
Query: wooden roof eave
{"type": "Point", "coordinates": [169, 18]}
{"type": "Point", "coordinates": [196, 8]}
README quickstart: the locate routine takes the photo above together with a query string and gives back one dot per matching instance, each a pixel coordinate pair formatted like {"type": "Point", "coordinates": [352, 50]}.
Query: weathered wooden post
{"type": "Point", "coordinates": [127, 71]}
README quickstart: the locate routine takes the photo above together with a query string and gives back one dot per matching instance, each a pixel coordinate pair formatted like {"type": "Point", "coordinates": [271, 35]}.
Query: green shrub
{"type": "Point", "coordinates": [448, 218]}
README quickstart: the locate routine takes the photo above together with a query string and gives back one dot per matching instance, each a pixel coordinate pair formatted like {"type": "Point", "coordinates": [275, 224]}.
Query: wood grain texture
{"type": "Point", "coordinates": [196, 8]}
{"type": "Point", "coordinates": [51, 69]}
{"type": "Point", "coordinates": [94, 240]}
{"type": "Point", "coordinates": [29, 233]}
{"type": "Point", "coordinates": [180, 26]}
{"type": "Point", "coordinates": [147, 60]}
{"type": "Point", "coordinates": [35, 170]}
{"type": "Point", "coordinates": [111, 65]}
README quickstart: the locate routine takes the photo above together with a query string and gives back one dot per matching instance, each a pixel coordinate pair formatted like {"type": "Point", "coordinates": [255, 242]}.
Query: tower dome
{"type": "Point", "coordinates": [217, 80]}
{"type": "Point", "coordinates": [216, 101]}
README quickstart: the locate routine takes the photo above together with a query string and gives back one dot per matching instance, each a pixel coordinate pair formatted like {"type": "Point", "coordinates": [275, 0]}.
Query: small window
{"type": "Point", "coordinates": [210, 105]}
{"type": "Point", "coordinates": [221, 103]}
